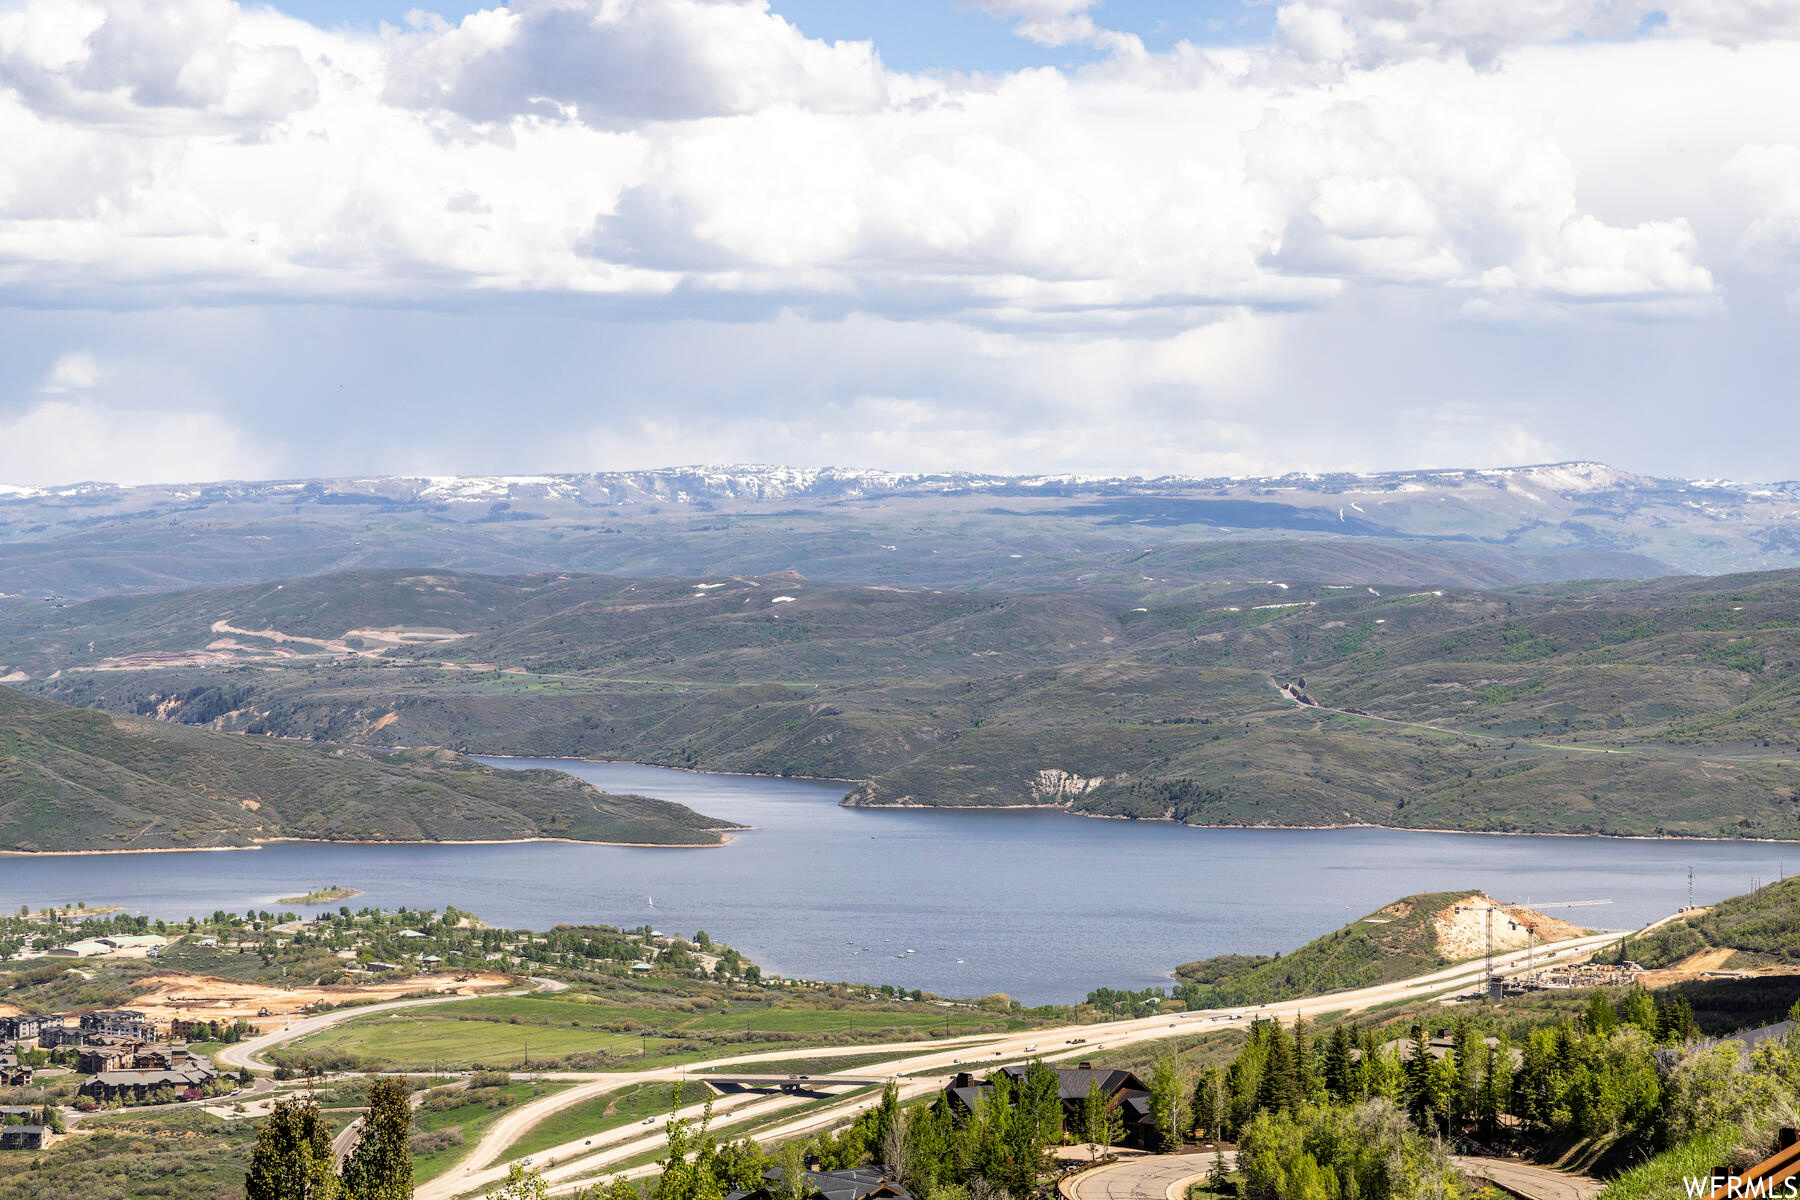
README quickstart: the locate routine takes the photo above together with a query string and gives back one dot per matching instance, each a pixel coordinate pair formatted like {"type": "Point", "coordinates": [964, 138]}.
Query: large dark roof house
{"type": "Point", "coordinates": [1121, 1089]}
{"type": "Point", "coordinates": [861, 1183]}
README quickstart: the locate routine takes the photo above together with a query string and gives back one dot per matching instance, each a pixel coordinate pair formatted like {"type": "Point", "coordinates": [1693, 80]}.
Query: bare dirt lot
{"type": "Point", "coordinates": [203, 998]}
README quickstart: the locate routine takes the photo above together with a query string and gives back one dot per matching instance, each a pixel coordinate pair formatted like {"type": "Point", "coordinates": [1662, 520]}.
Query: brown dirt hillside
{"type": "Point", "coordinates": [1461, 928]}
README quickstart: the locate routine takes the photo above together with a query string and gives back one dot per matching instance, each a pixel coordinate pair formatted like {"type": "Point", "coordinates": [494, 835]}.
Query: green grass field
{"type": "Point", "coordinates": [480, 1033]}
{"type": "Point", "coordinates": [515, 1031]}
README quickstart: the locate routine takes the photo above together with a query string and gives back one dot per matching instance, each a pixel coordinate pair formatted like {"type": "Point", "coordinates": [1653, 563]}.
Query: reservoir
{"type": "Point", "coordinates": [1041, 905]}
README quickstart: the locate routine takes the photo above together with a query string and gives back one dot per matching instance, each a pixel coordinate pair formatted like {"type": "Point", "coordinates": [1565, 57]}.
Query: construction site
{"type": "Point", "coordinates": [1506, 928]}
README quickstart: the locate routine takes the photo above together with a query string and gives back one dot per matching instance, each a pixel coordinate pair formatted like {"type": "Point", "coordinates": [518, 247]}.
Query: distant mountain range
{"type": "Point", "coordinates": [949, 529]}
{"type": "Point", "coordinates": [761, 483]}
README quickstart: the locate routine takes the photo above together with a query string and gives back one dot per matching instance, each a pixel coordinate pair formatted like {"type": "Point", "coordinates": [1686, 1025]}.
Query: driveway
{"type": "Point", "coordinates": [1150, 1177]}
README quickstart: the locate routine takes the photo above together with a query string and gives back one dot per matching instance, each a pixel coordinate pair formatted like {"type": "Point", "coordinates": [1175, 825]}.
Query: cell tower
{"type": "Point", "coordinates": [1690, 902]}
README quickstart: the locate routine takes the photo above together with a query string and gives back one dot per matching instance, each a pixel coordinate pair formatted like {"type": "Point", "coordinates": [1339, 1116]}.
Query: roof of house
{"type": "Point", "coordinates": [1752, 1038]}
{"type": "Point", "coordinates": [191, 1076]}
{"type": "Point", "coordinates": [1072, 1083]}
{"type": "Point", "coordinates": [859, 1183]}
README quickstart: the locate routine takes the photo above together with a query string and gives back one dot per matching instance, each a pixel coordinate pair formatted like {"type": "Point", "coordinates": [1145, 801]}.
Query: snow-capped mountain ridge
{"type": "Point", "coordinates": [763, 482]}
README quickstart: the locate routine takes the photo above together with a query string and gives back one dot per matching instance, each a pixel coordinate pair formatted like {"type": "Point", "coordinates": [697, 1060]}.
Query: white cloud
{"type": "Point", "coordinates": [75, 372]}
{"type": "Point", "coordinates": [123, 59]}
{"type": "Point", "coordinates": [1050, 22]}
{"type": "Point", "coordinates": [612, 62]}
{"type": "Point", "coordinates": [1769, 178]}
{"type": "Point", "coordinates": [66, 441]}
{"type": "Point", "coordinates": [1484, 31]}
{"type": "Point", "coordinates": [674, 156]}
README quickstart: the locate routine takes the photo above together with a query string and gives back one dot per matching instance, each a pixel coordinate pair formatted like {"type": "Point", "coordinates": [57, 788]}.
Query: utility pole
{"type": "Point", "coordinates": [1487, 982]}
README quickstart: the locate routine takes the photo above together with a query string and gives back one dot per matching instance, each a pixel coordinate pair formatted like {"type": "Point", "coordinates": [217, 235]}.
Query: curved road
{"type": "Point", "coordinates": [1149, 1177]}
{"type": "Point", "coordinates": [1536, 1183]}
{"type": "Point", "coordinates": [1167, 1177]}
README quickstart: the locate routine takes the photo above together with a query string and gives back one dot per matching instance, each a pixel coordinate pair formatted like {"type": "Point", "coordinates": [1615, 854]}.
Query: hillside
{"type": "Point", "coordinates": [1409, 937]}
{"type": "Point", "coordinates": [1669, 706]}
{"type": "Point", "coordinates": [72, 779]}
{"type": "Point", "coordinates": [1759, 929]}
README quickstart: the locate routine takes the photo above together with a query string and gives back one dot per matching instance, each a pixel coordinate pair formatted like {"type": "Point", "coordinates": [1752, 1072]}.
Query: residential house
{"type": "Point", "coordinates": [1122, 1090]}
{"type": "Point", "coordinates": [25, 1137]}
{"type": "Point", "coordinates": [13, 1073]}
{"type": "Point", "coordinates": [862, 1183]}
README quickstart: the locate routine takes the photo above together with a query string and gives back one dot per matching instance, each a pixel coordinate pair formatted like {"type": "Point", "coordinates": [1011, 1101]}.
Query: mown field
{"type": "Point", "coordinates": [513, 1032]}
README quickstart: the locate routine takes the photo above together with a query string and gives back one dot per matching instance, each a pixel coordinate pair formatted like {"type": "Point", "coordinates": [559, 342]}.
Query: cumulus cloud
{"type": "Point", "coordinates": [68, 440]}
{"type": "Point", "coordinates": [120, 59]}
{"type": "Point", "coordinates": [1769, 178]}
{"type": "Point", "coordinates": [1482, 31]}
{"type": "Point", "coordinates": [76, 372]}
{"type": "Point", "coordinates": [610, 62]}
{"type": "Point", "coordinates": [1050, 22]}
{"type": "Point", "coordinates": [664, 157]}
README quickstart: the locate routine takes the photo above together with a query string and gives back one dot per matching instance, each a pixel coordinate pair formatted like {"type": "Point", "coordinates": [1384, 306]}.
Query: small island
{"type": "Point", "coordinates": [322, 896]}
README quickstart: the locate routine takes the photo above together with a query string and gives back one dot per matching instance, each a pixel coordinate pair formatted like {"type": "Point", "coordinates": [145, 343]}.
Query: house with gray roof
{"type": "Point", "coordinates": [1121, 1089]}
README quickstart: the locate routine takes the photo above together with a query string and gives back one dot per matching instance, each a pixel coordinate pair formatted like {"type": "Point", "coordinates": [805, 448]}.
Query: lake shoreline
{"type": "Point", "coordinates": [847, 802]}
{"type": "Point", "coordinates": [725, 839]}
{"type": "Point", "coordinates": [1341, 825]}
{"type": "Point", "coordinates": [628, 762]}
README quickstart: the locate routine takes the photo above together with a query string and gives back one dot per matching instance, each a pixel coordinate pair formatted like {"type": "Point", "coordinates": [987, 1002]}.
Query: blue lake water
{"type": "Point", "coordinates": [1041, 905]}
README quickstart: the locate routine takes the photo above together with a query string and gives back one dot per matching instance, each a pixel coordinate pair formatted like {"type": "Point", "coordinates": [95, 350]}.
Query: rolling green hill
{"type": "Point", "coordinates": [73, 779]}
{"type": "Point", "coordinates": [1394, 942]}
{"type": "Point", "coordinates": [1669, 706]}
{"type": "Point", "coordinates": [1761, 928]}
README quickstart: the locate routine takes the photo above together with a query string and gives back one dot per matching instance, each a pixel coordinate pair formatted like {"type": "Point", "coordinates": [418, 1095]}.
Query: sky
{"type": "Point", "coordinates": [1220, 237]}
